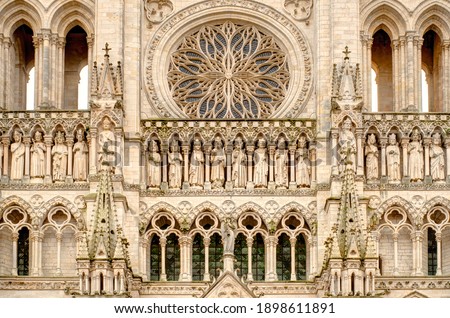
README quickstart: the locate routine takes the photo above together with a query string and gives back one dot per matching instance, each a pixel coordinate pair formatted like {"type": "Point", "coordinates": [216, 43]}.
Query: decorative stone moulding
{"type": "Point", "coordinates": [157, 10]}
{"type": "Point", "coordinates": [270, 92]}
{"type": "Point", "coordinates": [299, 9]}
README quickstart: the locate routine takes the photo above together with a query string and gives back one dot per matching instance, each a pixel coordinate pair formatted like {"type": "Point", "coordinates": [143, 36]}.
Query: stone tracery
{"type": "Point", "coordinates": [228, 71]}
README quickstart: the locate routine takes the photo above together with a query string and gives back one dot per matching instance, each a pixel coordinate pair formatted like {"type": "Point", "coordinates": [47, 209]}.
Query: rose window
{"type": "Point", "coordinates": [228, 71]}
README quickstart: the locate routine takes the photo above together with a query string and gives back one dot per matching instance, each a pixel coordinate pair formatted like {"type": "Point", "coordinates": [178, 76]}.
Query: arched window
{"type": "Point", "coordinates": [432, 251]}
{"type": "Point", "coordinates": [172, 258]}
{"type": "Point", "coordinates": [23, 250]}
{"type": "Point", "coordinates": [382, 60]}
{"type": "Point", "coordinates": [432, 62]}
{"type": "Point", "coordinates": [215, 254]}
{"type": "Point", "coordinates": [258, 258]}
{"type": "Point", "coordinates": [155, 258]}
{"type": "Point", "coordinates": [21, 62]}
{"type": "Point", "coordinates": [241, 254]}
{"type": "Point", "coordinates": [300, 257]}
{"type": "Point", "coordinates": [284, 258]}
{"type": "Point", "coordinates": [198, 258]}
{"type": "Point", "coordinates": [75, 59]}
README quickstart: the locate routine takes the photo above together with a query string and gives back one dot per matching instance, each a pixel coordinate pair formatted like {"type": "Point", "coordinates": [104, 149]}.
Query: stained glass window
{"type": "Point", "coordinates": [432, 252]}
{"type": "Point", "coordinates": [198, 258]}
{"type": "Point", "coordinates": [215, 254]}
{"type": "Point", "coordinates": [155, 258]}
{"type": "Point", "coordinates": [241, 254]}
{"type": "Point", "coordinates": [172, 258]}
{"type": "Point", "coordinates": [23, 249]}
{"type": "Point", "coordinates": [300, 257]}
{"type": "Point", "coordinates": [284, 258]}
{"type": "Point", "coordinates": [258, 258]}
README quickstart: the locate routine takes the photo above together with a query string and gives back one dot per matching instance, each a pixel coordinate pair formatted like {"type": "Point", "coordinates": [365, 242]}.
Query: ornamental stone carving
{"type": "Point", "coordinates": [371, 158]}
{"type": "Point", "coordinates": [228, 70]}
{"type": "Point", "coordinates": [59, 155]}
{"type": "Point", "coordinates": [80, 156]}
{"type": "Point", "coordinates": [299, 9]}
{"type": "Point", "coordinates": [415, 152]}
{"type": "Point", "coordinates": [196, 167]}
{"type": "Point", "coordinates": [37, 164]}
{"type": "Point", "coordinates": [393, 159]}
{"type": "Point", "coordinates": [303, 164]}
{"type": "Point", "coordinates": [437, 159]}
{"type": "Point", "coordinates": [157, 10]}
{"type": "Point", "coordinates": [175, 160]}
{"type": "Point", "coordinates": [17, 156]}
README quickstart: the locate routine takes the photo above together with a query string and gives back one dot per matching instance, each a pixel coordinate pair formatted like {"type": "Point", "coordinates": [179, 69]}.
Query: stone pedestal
{"type": "Point", "coordinates": [228, 262]}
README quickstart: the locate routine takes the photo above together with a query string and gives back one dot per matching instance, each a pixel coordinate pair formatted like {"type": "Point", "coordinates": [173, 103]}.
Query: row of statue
{"type": "Point", "coordinates": [415, 160]}
{"type": "Point", "coordinates": [38, 157]}
{"type": "Point", "coordinates": [215, 162]}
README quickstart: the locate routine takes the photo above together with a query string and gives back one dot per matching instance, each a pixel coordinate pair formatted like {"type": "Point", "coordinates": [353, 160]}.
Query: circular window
{"type": "Point", "coordinates": [228, 70]}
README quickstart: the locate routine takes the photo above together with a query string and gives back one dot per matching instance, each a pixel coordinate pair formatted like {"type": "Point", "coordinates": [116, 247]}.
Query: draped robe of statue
{"type": "Point", "coordinates": [347, 144]}
{"type": "Point", "coordinates": [154, 167]}
{"type": "Point", "coordinates": [80, 159]}
{"type": "Point", "coordinates": [196, 168]}
{"type": "Point", "coordinates": [371, 159]}
{"type": "Point", "coordinates": [415, 150]}
{"type": "Point", "coordinates": [239, 162]}
{"type": "Point", "coordinates": [393, 161]}
{"type": "Point", "coordinates": [59, 153]}
{"type": "Point", "coordinates": [218, 161]}
{"type": "Point", "coordinates": [17, 157]}
{"type": "Point", "coordinates": [175, 168]}
{"type": "Point", "coordinates": [281, 167]}
{"type": "Point", "coordinates": [302, 171]}
{"type": "Point", "coordinates": [437, 161]}
{"type": "Point", "coordinates": [37, 160]}
{"type": "Point", "coordinates": [261, 167]}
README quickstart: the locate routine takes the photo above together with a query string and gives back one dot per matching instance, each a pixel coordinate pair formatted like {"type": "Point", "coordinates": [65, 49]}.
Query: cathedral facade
{"type": "Point", "coordinates": [289, 148]}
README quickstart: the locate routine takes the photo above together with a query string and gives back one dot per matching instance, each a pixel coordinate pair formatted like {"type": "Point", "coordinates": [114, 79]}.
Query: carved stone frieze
{"type": "Point", "coordinates": [157, 10]}
{"type": "Point", "coordinates": [299, 9]}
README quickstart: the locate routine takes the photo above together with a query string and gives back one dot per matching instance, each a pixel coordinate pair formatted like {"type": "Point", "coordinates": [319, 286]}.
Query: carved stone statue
{"type": "Point", "coordinates": [239, 162]}
{"type": "Point", "coordinates": [196, 166]}
{"type": "Point", "coordinates": [59, 153]}
{"type": "Point", "coordinates": [437, 159]}
{"type": "Point", "coordinates": [80, 157]}
{"type": "Point", "coordinates": [17, 156]}
{"type": "Point", "coordinates": [371, 158]}
{"type": "Point", "coordinates": [107, 146]}
{"type": "Point", "coordinates": [281, 167]}
{"type": "Point", "coordinates": [415, 151]}
{"type": "Point", "coordinates": [261, 165]}
{"type": "Point", "coordinates": [347, 146]}
{"type": "Point", "coordinates": [218, 161]}
{"type": "Point", "coordinates": [154, 165]}
{"type": "Point", "coordinates": [393, 159]}
{"type": "Point", "coordinates": [228, 229]}
{"type": "Point", "coordinates": [37, 160]}
{"type": "Point", "coordinates": [175, 166]}
{"type": "Point", "coordinates": [303, 164]}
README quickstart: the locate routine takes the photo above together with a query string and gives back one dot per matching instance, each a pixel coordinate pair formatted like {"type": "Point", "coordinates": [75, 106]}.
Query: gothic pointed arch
{"type": "Point", "coordinates": [21, 12]}
{"type": "Point", "coordinates": [18, 201]}
{"type": "Point", "coordinates": [436, 201]}
{"type": "Point", "coordinates": [61, 201]}
{"type": "Point", "coordinates": [432, 16]}
{"type": "Point", "coordinates": [205, 206]}
{"type": "Point", "coordinates": [309, 217]}
{"type": "Point", "coordinates": [153, 210]}
{"type": "Point", "coordinates": [393, 15]}
{"type": "Point", "coordinates": [398, 201]}
{"type": "Point", "coordinates": [62, 19]}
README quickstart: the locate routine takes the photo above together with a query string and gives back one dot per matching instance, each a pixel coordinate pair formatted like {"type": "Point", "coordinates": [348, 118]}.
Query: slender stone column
{"type": "Point", "coordinates": [249, 259]}
{"type": "Point", "coordinates": [14, 238]}
{"type": "Point", "coordinates": [34, 253]}
{"type": "Point", "coordinates": [229, 152]}
{"type": "Point", "coordinates": [403, 75]}
{"type": "Point", "coordinates": [414, 246]}
{"type": "Point", "coordinates": [410, 67]}
{"type": "Point", "coordinates": [7, 102]}
{"type": "Point", "coordinates": [313, 159]}
{"type": "Point", "coordinates": [250, 150]}
{"type": "Point", "coordinates": [2, 73]}
{"type": "Point", "coordinates": [58, 254]}
{"type": "Point", "coordinates": [383, 143]}
{"type": "Point", "coordinates": [360, 152]}
{"type": "Point", "coordinates": [365, 62]}
{"type": "Point", "coordinates": [334, 151]}
{"type": "Point", "coordinates": [446, 75]}
{"type": "Point", "coordinates": [206, 242]}
{"type": "Point", "coordinates": [271, 243]}
{"type": "Point", "coordinates": [46, 68]}
{"type": "Point", "coordinates": [369, 73]}
{"type": "Point", "coordinates": [164, 151]}
{"type": "Point", "coordinates": [439, 254]}
{"type": "Point", "coordinates": [6, 141]}
{"type": "Point", "coordinates": [419, 238]}
{"type": "Point", "coordinates": [447, 152]}
{"type": "Point", "coordinates": [144, 244]}
{"type": "Point", "coordinates": [185, 149]}
{"type": "Point", "coordinates": [186, 258]}
{"type": "Point", "coordinates": [293, 241]}
{"type": "Point", "coordinates": [90, 43]}
{"type": "Point", "coordinates": [61, 73]}
{"type": "Point", "coordinates": [69, 177]}
{"type": "Point", "coordinates": [271, 184]}
{"type": "Point", "coordinates": [396, 80]}
{"type": "Point", "coordinates": [292, 182]}
{"type": "Point", "coordinates": [163, 242]}
{"type": "Point", "coordinates": [48, 171]}
{"type": "Point", "coordinates": [395, 239]}
{"type": "Point", "coordinates": [419, 43]}
{"type": "Point", "coordinates": [404, 144]}
{"type": "Point", "coordinates": [207, 152]}
{"type": "Point", "coordinates": [427, 143]}
{"type": "Point", "coordinates": [27, 141]}
{"type": "Point", "coordinates": [53, 83]}
{"type": "Point", "coordinates": [92, 140]}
